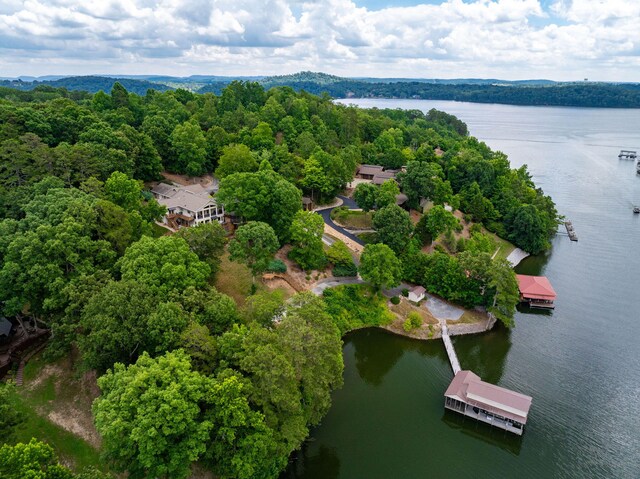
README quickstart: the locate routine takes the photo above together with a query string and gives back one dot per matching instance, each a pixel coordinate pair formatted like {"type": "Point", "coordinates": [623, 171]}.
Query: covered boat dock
{"type": "Point", "coordinates": [536, 291]}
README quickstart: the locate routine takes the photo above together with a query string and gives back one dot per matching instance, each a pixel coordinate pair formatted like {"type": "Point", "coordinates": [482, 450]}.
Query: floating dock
{"type": "Point", "coordinates": [627, 155]}
{"type": "Point", "coordinates": [570, 231]}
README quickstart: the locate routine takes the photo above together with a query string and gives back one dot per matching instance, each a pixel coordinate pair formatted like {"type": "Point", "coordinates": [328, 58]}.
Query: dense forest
{"type": "Point", "coordinates": [185, 373]}
{"type": "Point", "coordinates": [525, 92]}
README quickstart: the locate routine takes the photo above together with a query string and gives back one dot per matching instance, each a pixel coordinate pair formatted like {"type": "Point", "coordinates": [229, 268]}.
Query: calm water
{"type": "Point", "coordinates": [580, 363]}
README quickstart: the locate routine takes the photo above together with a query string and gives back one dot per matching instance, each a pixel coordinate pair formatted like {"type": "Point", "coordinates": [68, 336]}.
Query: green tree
{"type": "Point", "coordinates": [387, 193]}
{"type": "Point", "coordinates": [254, 244]}
{"type": "Point", "coordinates": [35, 460]}
{"type": "Point", "coordinates": [306, 235]}
{"type": "Point", "coordinates": [380, 266]}
{"type": "Point", "coordinates": [209, 307]}
{"type": "Point", "coordinates": [263, 307]}
{"type": "Point", "coordinates": [123, 191]}
{"type": "Point", "coordinates": [10, 415]}
{"type": "Point", "coordinates": [314, 178]}
{"type": "Point", "coordinates": [207, 241]}
{"type": "Point", "coordinates": [152, 417]}
{"type": "Point", "coordinates": [164, 264]}
{"type": "Point", "coordinates": [190, 147]}
{"type": "Point", "coordinates": [339, 254]}
{"type": "Point", "coordinates": [236, 159]}
{"type": "Point", "coordinates": [438, 221]}
{"type": "Point", "coordinates": [527, 229]}
{"type": "Point", "coordinates": [124, 319]}
{"type": "Point", "coordinates": [366, 196]}
{"type": "Point", "coordinates": [201, 346]}
{"type": "Point", "coordinates": [262, 196]}
{"type": "Point", "coordinates": [393, 227]}
{"type": "Point", "coordinates": [504, 282]}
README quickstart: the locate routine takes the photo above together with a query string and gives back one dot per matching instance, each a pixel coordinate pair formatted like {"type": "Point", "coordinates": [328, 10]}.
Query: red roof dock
{"type": "Point", "coordinates": [537, 291]}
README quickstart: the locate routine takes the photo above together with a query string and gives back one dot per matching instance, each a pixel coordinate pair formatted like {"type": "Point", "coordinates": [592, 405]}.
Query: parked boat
{"type": "Point", "coordinates": [636, 209]}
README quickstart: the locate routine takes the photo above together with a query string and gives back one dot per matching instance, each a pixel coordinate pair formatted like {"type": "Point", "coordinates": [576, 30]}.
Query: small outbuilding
{"type": "Point", "coordinates": [536, 291]}
{"type": "Point", "coordinates": [416, 294]}
{"type": "Point", "coordinates": [307, 203]}
{"type": "Point", "coordinates": [5, 327]}
{"type": "Point", "coordinates": [367, 172]}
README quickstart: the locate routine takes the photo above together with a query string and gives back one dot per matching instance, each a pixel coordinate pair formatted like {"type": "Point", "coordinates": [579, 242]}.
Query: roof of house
{"type": "Point", "coordinates": [306, 200]}
{"type": "Point", "coordinates": [191, 197]}
{"type": "Point", "coordinates": [164, 189]}
{"type": "Point", "coordinates": [535, 287]}
{"type": "Point", "coordinates": [469, 388]}
{"type": "Point", "coordinates": [418, 290]}
{"type": "Point", "coordinates": [383, 176]}
{"type": "Point", "coordinates": [369, 169]}
{"type": "Point", "coordinates": [401, 199]}
{"type": "Point", "coordinates": [5, 326]}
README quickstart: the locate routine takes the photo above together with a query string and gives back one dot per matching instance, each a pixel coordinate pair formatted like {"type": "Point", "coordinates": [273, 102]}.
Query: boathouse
{"type": "Point", "coordinates": [536, 291]}
{"type": "Point", "coordinates": [469, 395]}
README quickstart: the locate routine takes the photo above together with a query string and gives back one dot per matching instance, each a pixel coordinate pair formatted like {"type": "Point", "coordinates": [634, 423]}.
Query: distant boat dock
{"type": "Point", "coordinates": [570, 231]}
{"type": "Point", "coordinates": [627, 155]}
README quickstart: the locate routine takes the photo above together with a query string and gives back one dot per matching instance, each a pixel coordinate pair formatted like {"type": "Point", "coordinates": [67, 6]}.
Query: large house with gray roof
{"type": "Point", "coordinates": [188, 205]}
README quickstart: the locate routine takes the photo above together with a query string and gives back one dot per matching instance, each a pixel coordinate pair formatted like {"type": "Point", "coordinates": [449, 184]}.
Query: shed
{"type": "Point", "coordinates": [536, 290]}
{"type": "Point", "coordinates": [5, 327]}
{"type": "Point", "coordinates": [416, 294]}
{"type": "Point", "coordinates": [307, 203]}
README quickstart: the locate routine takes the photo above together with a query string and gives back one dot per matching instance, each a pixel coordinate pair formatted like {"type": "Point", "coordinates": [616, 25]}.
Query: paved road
{"type": "Point", "coordinates": [326, 215]}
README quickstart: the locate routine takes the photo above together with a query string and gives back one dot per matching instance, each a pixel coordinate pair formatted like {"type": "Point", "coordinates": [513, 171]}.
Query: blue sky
{"type": "Point", "coordinates": [510, 39]}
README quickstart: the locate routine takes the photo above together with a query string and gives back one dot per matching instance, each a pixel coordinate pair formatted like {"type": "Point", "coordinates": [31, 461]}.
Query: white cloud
{"type": "Point", "coordinates": [490, 38]}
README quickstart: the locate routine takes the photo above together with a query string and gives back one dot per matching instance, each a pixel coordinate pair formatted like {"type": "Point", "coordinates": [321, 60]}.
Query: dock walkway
{"type": "Point", "coordinates": [448, 345]}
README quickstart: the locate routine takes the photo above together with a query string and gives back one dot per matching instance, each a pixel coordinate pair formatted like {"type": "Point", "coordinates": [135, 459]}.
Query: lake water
{"type": "Point", "coordinates": [580, 363]}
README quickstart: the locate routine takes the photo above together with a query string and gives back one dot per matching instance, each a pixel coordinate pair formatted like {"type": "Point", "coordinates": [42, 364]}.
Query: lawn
{"type": "Point", "coordinates": [353, 219]}
{"type": "Point", "coordinates": [504, 247]}
{"type": "Point", "coordinates": [56, 391]}
{"type": "Point", "coordinates": [234, 279]}
{"type": "Point", "coordinates": [403, 309]}
{"type": "Point", "coordinates": [159, 230]}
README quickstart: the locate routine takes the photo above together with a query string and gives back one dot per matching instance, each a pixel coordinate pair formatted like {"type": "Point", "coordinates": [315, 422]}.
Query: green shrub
{"type": "Point", "coordinates": [461, 245]}
{"type": "Point", "coordinates": [354, 306]}
{"type": "Point", "coordinates": [277, 266]}
{"type": "Point", "coordinates": [475, 228]}
{"type": "Point", "coordinates": [340, 213]}
{"type": "Point", "coordinates": [440, 248]}
{"type": "Point", "coordinates": [413, 321]}
{"type": "Point", "coordinates": [395, 300]}
{"type": "Point", "coordinates": [345, 270]}
{"type": "Point", "coordinates": [339, 254]}
{"type": "Point", "coordinates": [405, 292]}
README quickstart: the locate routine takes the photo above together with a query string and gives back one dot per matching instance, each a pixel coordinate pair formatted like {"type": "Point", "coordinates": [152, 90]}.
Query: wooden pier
{"type": "Point", "coordinates": [570, 231]}
{"type": "Point", "coordinates": [448, 345]}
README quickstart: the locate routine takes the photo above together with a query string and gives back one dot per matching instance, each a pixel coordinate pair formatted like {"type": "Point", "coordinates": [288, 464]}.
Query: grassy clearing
{"type": "Point", "coordinates": [470, 316]}
{"type": "Point", "coordinates": [504, 247]}
{"type": "Point", "coordinates": [56, 400]}
{"type": "Point", "coordinates": [354, 219]}
{"type": "Point", "coordinates": [234, 279]}
{"type": "Point", "coordinates": [405, 307]}
{"type": "Point", "coordinates": [368, 238]}
{"type": "Point", "coordinates": [159, 230]}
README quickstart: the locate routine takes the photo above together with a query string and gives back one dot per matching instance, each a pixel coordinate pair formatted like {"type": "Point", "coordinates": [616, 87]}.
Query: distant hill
{"type": "Point", "coordinates": [476, 90]}
{"type": "Point", "coordinates": [91, 84]}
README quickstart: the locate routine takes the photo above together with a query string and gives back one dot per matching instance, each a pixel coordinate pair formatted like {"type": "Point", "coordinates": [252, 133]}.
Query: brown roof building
{"type": "Point", "coordinates": [469, 395]}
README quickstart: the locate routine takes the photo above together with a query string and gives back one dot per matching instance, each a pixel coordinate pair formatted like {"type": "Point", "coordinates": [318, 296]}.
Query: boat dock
{"type": "Point", "coordinates": [627, 155]}
{"type": "Point", "coordinates": [470, 396]}
{"type": "Point", "coordinates": [570, 231]}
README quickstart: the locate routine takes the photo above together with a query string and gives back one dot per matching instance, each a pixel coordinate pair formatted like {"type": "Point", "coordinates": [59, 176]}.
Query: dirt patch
{"type": "Point", "coordinates": [65, 397]}
{"type": "Point", "coordinates": [297, 278]}
{"type": "Point", "coordinates": [186, 180]}
{"type": "Point", "coordinates": [279, 283]}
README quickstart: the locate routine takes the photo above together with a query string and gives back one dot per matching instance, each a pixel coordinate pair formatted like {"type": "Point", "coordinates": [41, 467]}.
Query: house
{"type": "Point", "coordinates": [537, 291]}
{"type": "Point", "coordinates": [470, 396]}
{"type": "Point", "coordinates": [401, 200]}
{"type": "Point", "coordinates": [416, 294]}
{"type": "Point", "coordinates": [383, 176]}
{"type": "Point", "coordinates": [188, 205]}
{"type": "Point", "coordinates": [367, 172]}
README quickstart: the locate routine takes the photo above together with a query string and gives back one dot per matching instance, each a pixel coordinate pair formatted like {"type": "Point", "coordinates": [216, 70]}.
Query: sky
{"type": "Point", "coordinates": [508, 39]}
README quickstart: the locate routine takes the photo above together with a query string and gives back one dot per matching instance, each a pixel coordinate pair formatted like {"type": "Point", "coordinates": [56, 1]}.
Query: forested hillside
{"type": "Point", "coordinates": [185, 372]}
